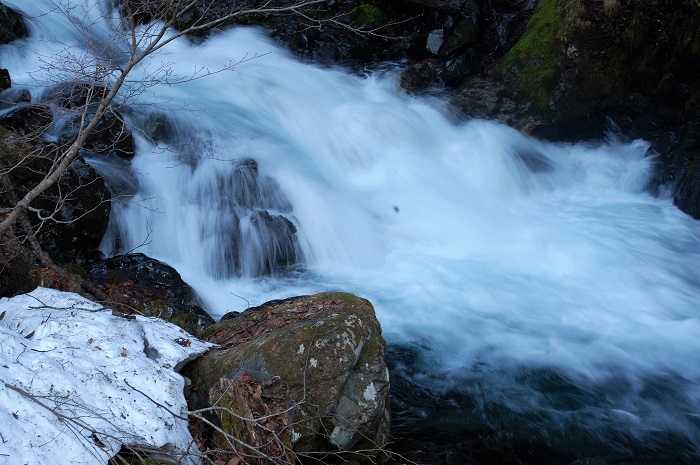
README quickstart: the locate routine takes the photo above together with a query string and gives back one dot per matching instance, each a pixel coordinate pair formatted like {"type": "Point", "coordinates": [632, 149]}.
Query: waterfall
{"type": "Point", "coordinates": [530, 287]}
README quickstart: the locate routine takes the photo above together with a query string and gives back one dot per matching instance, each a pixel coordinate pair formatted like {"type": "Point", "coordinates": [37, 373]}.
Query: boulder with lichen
{"type": "Point", "coordinates": [314, 368]}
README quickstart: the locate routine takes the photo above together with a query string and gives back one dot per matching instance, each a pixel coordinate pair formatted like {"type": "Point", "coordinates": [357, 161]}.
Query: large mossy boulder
{"type": "Point", "coordinates": [317, 361]}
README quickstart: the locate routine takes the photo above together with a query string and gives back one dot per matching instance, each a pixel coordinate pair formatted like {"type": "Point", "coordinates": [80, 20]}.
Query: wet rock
{"type": "Point", "coordinates": [158, 127]}
{"type": "Point", "coordinates": [73, 95]}
{"type": "Point", "coordinates": [687, 197]}
{"type": "Point", "coordinates": [464, 34]}
{"type": "Point", "coordinates": [79, 206]}
{"type": "Point", "coordinates": [5, 81]}
{"type": "Point", "coordinates": [109, 136]}
{"type": "Point", "coordinates": [253, 211]}
{"type": "Point", "coordinates": [322, 354]}
{"type": "Point", "coordinates": [13, 96]}
{"type": "Point", "coordinates": [456, 70]}
{"type": "Point", "coordinates": [31, 120]}
{"type": "Point", "coordinates": [70, 217]}
{"type": "Point", "coordinates": [279, 249]}
{"type": "Point", "coordinates": [11, 25]}
{"type": "Point", "coordinates": [136, 283]}
{"type": "Point", "coordinates": [485, 98]}
{"type": "Point", "coordinates": [420, 76]}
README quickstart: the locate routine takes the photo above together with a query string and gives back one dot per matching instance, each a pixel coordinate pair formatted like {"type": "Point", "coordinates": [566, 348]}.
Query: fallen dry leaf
{"type": "Point", "coordinates": [183, 342]}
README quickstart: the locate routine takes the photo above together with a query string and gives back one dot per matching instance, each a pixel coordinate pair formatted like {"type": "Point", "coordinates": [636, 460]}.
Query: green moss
{"type": "Point", "coordinates": [156, 308]}
{"type": "Point", "coordinates": [230, 423]}
{"type": "Point", "coordinates": [464, 35]}
{"type": "Point", "coordinates": [367, 15]}
{"type": "Point", "coordinates": [226, 325]}
{"type": "Point", "coordinates": [532, 65]}
{"type": "Point", "coordinates": [182, 319]}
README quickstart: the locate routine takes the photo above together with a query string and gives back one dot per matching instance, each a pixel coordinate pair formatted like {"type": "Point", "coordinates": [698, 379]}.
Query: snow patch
{"type": "Point", "coordinates": [76, 379]}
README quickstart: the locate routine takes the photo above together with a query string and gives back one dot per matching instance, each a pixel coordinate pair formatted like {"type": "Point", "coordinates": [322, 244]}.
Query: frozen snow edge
{"type": "Point", "coordinates": [76, 382]}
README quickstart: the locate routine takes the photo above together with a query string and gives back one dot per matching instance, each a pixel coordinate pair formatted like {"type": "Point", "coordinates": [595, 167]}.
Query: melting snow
{"type": "Point", "coordinates": [77, 382]}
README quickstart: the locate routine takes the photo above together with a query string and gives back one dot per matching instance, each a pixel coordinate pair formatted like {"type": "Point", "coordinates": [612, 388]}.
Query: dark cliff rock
{"type": "Point", "coordinates": [81, 207]}
{"type": "Point", "coordinates": [576, 57]}
{"type": "Point", "coordinates": [5, 81]}
{"type": "Point", "coordinates": [464, 35]}
{"type": "Point", "coordinates": [11, 25]}
{"type": "Point", "coordinates": [70, 218]}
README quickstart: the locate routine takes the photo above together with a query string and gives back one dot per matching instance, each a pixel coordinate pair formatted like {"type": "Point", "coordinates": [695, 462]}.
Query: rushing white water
{"type": "Point", "coordinates": [538, 283]}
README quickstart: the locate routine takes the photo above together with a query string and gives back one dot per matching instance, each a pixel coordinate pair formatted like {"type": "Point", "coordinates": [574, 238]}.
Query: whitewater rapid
{"type": "Point", "coordinates": [539, 281]}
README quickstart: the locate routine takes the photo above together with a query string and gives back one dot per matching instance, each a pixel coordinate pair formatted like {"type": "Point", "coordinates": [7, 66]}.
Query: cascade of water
{"type": "Point", "coordinates": [535, 286]}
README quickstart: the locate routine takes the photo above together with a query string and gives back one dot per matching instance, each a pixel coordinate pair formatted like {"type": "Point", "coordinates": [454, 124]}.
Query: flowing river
{"type": "Point", "coordinates": [532, 289]}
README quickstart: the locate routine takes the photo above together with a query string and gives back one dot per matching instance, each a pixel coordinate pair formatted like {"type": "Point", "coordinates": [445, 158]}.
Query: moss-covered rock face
{"type": "Point", "coordinates": [578, 56]}
{"type": "Point", "coordinates": [322, 354]}
{"type": "Point", "coordinates": [533, 65]}
{"type": "Point", "coordinates": [367, 15]}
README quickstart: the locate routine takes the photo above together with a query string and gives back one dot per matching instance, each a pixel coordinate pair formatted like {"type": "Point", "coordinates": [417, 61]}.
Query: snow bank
{"type": "Point", "coordinates": [77, 382]}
